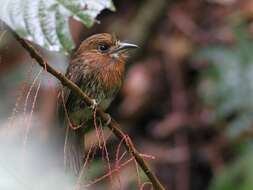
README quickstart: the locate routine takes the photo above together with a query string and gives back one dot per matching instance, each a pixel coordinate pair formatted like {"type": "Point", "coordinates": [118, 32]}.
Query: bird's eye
{"type": "Point", "coordinates": [103, 48]}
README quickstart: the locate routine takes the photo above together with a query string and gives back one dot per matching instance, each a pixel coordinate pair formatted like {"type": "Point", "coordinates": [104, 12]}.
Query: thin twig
{"type": "Point", "coordinates": [113, 125]}
{"type": "Point", "coordinates": [108, 174]}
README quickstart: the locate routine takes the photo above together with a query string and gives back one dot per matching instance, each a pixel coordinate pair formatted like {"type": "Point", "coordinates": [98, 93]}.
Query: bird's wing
{"type": "Point", "coordinates": [75, 75]}
{"type": "Point", "coordinates": [67, 96]}
{"type": "Point", "coordinates": [74, 147]}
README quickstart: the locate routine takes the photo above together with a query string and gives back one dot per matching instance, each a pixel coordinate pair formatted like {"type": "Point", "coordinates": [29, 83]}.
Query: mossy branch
{"type": "Point", "coordinates": [114, 126]}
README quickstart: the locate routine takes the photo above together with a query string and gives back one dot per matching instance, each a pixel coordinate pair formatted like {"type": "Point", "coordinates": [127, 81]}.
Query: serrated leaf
{"type": "Point", "coordinates": [45, 22]}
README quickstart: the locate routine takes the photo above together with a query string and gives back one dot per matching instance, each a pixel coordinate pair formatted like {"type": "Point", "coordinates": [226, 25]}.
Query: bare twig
{"type": "Point", "coordinates": [114, 126]}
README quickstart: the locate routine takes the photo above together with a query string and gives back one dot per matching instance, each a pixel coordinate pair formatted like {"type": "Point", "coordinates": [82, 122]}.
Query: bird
{"type": "Point", "coordinates": [97, 66]}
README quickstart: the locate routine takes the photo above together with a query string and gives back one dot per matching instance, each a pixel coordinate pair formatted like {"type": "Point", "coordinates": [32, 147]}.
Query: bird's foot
{"type": "Point", "coordinates": [109, 120]}
{"type": "Point", "coordinates": [94, 104]}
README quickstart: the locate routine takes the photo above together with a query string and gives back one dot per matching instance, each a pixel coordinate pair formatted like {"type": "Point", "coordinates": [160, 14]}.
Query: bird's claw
{"type": "Point", "coordinates": [94, 104]}
{"type": "Point", "coordinates": [109, 120]}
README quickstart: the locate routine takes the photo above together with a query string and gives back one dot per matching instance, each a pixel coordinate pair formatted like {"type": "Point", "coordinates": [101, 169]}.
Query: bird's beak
{"type": "Point", "coordinates": [124, 46]}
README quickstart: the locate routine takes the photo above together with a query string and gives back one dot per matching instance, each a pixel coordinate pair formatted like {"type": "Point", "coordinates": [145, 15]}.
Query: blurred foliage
{"type": "Point", "coordinates": [236, 176]}
{"type": "Point", "coordinates": [46, 22]}
{"type": "Point", "coordinates": [226, 89]}
{"type": "Point", "coordinates": [226, 85]}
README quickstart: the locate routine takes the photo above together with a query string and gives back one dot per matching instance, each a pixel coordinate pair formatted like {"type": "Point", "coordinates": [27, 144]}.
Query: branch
{"type": "Point", "coordinates": [114, 126]}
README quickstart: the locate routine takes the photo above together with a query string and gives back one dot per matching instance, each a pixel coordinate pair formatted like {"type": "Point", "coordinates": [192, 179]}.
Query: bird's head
{"type": "Point", "coordinates": [104, 57]}
{"type": "Point", "coordinates": [104, 48]}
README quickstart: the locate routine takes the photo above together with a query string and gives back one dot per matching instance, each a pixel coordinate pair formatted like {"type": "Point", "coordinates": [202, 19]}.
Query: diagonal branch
{"type": "Point", "coordinates": [113, 125]}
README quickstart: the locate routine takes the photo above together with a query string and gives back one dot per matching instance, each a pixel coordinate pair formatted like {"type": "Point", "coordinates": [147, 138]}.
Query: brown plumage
{"type": "Point", "coordinates": [97, 67]}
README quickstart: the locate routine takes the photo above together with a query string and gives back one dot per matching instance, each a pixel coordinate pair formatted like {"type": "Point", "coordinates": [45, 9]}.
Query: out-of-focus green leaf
{"type": "Point", "coordinates": [45, 22]}
{"type": "Point", "coordinates": [237, 176]}
{"type": "Point", "coordinates": [227, 85]}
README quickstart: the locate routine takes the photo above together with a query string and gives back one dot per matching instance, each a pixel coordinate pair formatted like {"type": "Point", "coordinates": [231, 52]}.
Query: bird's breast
{"type": "Point", "coordinates": [111, 76]}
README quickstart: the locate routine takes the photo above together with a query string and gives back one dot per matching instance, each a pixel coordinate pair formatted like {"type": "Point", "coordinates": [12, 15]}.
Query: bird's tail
{"type": "Point", "coordinates": [74, 151]}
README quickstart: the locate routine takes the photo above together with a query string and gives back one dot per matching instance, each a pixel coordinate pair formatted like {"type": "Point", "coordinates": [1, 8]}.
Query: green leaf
{"type": "Point", "coordinates": [45, 22]}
